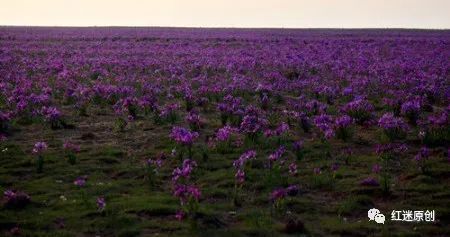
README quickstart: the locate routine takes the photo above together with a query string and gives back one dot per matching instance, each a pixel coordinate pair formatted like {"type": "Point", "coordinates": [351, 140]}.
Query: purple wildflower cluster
{"type": "Point", "coordinates": [157, 162]}
{"type": "Point", "coordinates": [40, 147]}
{"type": "Point", "coordinates": [423, 154]}
{"type": "Point", "coordinates": [224, 134]}
{"type": "Point", "coordinates": [342, 127]}
{"type": "Point", "coordinates": [435, 128]}
{"type": "Point", "coordinates": [277, 155]}
{"type": "Point", "coordinates": [421, 159]}
{"type": "Point", "coordinates": [239, 165]}
{"type": "Point", "coordinates": [394, 127]}
{"type": "Point", "coordinates": [282, 129]}
{"type": "Point", "coordinates": [293, 169]}
{"type": "Point", "coordinates": [246, 156]}
{"type": "Point", "coordinates": [187, 192]}
{"type": "Point", "coordinates": [127, 106]}
{"type": "Point", "coordinates": [168, 112]}
{"type": "Point", "coordinates": [230, 106]}
{"type": "Point", "coordinates": [101, 204]}
{"type": "Point", "coordinates": [183, 136]}
{"type": "Point", "coordinates": [80, 181]}
{"type": "Point", "coordinates": [193, 119]}
{"type": "Point", "coordinates": [325, 123]}
{"type": "Point", "coordinates": [370, 181]}
{"type": "Point", "coordinates": [315, 107]}
{"type": "Point", "coordinates": [279, 86]}
{"type": "Point", "coordinates": [395, 149]}
{"type": "Point", "coordinates": [252, 124]}
{"type": "Point", "coordinates": [280, 193]}
{"type": "Point", "coordinates": [51, 114]}
{"type": "Point", "coordinates": [411, 110]}
{"type": "Point", "coordinates": [343, 121]}
{"type": "Point", "coordinates": [360, 109]}
{"type": "Point", "coordinates": [16, 199]}
{"type": "Point", "coordinates": [184, 171]}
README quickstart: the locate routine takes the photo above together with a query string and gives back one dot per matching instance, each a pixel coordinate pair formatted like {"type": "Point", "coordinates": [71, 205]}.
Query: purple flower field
{"type": "Point", "coordinates": [222, 132]}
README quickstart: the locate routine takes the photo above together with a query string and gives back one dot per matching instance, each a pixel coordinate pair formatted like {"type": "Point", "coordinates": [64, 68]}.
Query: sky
{"type": "Point", "coordinates": [433, 14]}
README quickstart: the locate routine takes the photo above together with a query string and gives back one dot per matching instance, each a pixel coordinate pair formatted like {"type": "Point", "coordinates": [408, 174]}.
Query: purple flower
{"type": "Point", "coordinates": [283, 128]}
{"type": "Point", "coordinates": [347, 91]}
{"type": "Point", "coordinates": [315, 107]}
{"type": "Point", "coordinates": [280, 130]}
{"type": "Point", "coordinates": [5, 117]}
{"type": "Point", "coordinates": [298, 145]}
{"type": "Point", "coordinates": [278, 194]}
{"type": "Point", "coordinates": [180, 215]}
{"type": "Point", "coordinates": [186, 193]}
{"type": "Point", "coordinates": [391, 149]}
{"type": "Point", "coordinates": [325, 124]}
{"type": "Point", "coordinates": [50, 113]}
{"type": "Point", "coordinates": [269, 133]}
{"type": "Point", "coordinates": [223, 134]}
{"type": "Point", "coordinates": [169, 110]}
{"type": "Point", "coordinates": [264, 101]}
{"type": "Point", "coordinates": [80, 181]}
{"type": "Point", "coordinates": [252, 124]}
{"type": "Point", "coordinates": [101, 203]}
{"type": "Point", "coordinates": [389, 122]}
{"type": "Point", "coordinates": [423, 154]}
{"type": "Point", "coordinates": [334, 167]}
{"type": "Point", "coordinates": [71, 147]}
{"type": "Point", "coordinates": [248, 155]}
{"type": "Point", "coordinates": [376, 168]}
{"type": "Point", "coordinates": [230, 105]}
{"type": "Point", "coordinates": [193, 119]}
{"type": "Point", "coordinates": [343, 121]}
{"type": "Point", "coordinates": [370, 182]}
{"type": "Point", "coordinates": [359, 109]}
{"type": "Point", "coordinates": [184, 171]}
{"type": "Point", "coordinates": [155, 162]}
{"type": "Point", "coordinates": [411, 109]}
{"type": "Point", "coordinates": [16, 199]}
{"type": "Point", "coordinates": [183, 136]}
{"type": "Point", "coordinates": [323, 121]}
{"type": "Point", "coordinates": [39, 147]}
{"type": "Point", "coordinates": [292, 190]}
{"type": "Point", "coordinates": [194, 192]}
{"type": "Point", "coordinates": [439, 120]}
{"type": "Point", "coordinates": [277, 154]}
{"type": "Point", "coordinates": [126, 106]}
{"type": "Point", "coordinates": [394, 128]}
{"type": "Point", "coordinates": [293, 169]}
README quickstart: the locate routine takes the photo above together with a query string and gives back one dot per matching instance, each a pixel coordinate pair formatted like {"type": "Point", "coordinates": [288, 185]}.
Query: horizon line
{"type": "Point", "coordinates": [227, 27]}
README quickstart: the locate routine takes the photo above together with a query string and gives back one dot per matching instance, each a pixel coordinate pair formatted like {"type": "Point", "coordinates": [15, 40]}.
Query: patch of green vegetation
{"type": "Point", "coordinates": [357, 204]}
